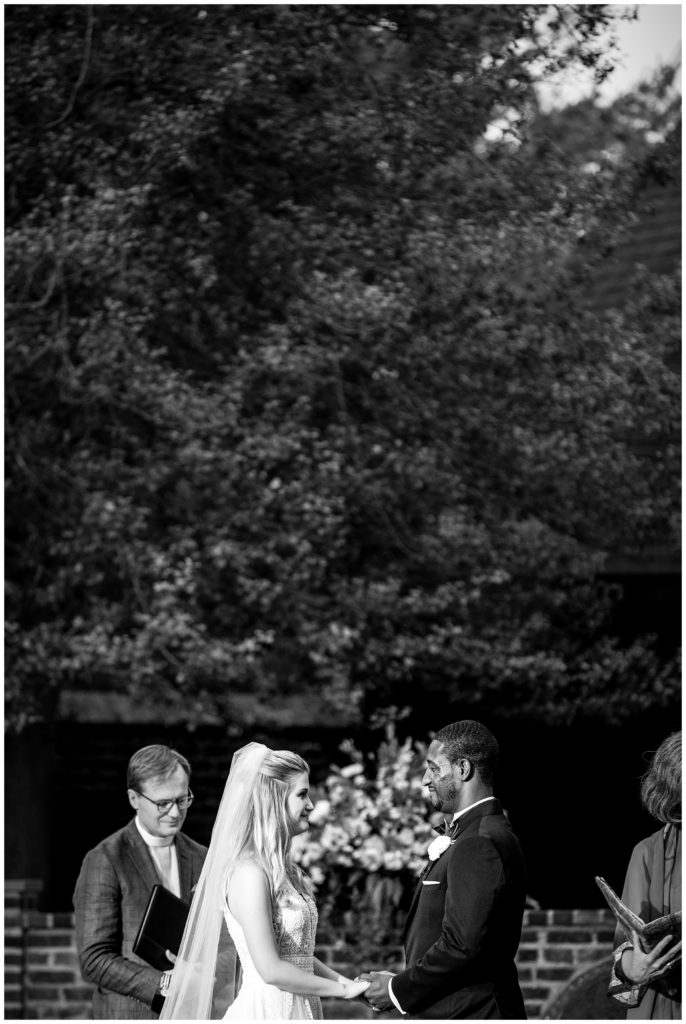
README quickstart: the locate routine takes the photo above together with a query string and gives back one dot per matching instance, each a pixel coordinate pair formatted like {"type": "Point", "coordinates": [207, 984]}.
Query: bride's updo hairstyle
{"type": "Point", "coordinates": [268, 836]}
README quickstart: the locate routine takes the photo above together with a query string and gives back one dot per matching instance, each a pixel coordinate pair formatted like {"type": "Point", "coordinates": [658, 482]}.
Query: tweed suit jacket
{"type": "Point", "coordinates": [111, 895]}
{"type": "Point", "coordinates": [464, 926]}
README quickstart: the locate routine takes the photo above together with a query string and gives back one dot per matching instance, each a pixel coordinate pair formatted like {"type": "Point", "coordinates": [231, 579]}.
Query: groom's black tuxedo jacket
{"type": "Point", "coordinates": [464, 926]}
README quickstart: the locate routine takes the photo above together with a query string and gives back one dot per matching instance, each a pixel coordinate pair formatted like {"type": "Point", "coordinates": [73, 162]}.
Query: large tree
{"type": "Point", "coordinates": [300, 387]}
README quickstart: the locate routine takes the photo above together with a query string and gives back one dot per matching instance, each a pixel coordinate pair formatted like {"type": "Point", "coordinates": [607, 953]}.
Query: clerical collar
{"type": "Point", "coordinates": [151, 840]}
{"type": "Point", "coordinates": [458, 814]}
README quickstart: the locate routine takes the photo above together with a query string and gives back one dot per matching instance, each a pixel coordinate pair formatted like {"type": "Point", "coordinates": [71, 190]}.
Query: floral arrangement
{"type": "Point", "coordinates": [369, 833]}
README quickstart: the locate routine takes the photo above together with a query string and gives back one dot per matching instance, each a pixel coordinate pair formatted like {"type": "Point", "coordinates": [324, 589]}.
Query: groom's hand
{"type": "Point", "coordinates": [377, 993]}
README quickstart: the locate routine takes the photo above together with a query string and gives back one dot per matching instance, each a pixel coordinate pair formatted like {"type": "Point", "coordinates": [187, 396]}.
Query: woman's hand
{"type": "Point", "coordinates": [353, 989]}
{"type": "Point", "coordinates": [641, 967]}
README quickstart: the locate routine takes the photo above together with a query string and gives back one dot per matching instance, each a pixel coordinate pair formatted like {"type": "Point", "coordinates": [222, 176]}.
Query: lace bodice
{"type": "Point", "coordinates": [294, 919]}
{"type": "Point", "coordinates": [295, 924]}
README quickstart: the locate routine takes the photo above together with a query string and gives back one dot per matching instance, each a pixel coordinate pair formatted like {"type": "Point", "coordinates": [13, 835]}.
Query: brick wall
{"type": "Point", "coordinates": [42, 979]}
{"type": "Point", "coordinates": [555, 946]}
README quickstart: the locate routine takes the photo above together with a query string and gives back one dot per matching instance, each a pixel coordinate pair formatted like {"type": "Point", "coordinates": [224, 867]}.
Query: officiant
{"type": "Point", "coordinates": [648, 982]}
{"type": "Point", "coordinates": [117, 877]}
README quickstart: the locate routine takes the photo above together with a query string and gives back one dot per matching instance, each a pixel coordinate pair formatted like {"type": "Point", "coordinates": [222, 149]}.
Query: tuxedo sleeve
{"type": "Point", "coordinates": [474, 878]}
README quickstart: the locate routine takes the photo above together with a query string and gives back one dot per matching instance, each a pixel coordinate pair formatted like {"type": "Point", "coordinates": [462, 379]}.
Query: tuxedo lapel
{"type": "Point", "coordinates": [417, 893]}
{"type": "Point", "coordinates": [463, 822]}
{"type": "Point", "coordinates": [413, 904]}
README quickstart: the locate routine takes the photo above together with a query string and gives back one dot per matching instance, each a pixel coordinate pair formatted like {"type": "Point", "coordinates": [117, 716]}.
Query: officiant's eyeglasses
{"type": "Point", "coordinates": [163, 806]}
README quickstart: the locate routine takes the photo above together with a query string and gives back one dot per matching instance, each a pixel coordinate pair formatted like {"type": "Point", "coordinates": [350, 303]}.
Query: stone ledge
{"type": "Point", "coordinates": [593, 917]}
{"type": "Point", "coordinates": [547, 918]}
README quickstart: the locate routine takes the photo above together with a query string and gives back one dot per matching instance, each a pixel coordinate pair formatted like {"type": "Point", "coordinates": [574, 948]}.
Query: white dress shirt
{"type": "Point", "coordinates": [163, 852]}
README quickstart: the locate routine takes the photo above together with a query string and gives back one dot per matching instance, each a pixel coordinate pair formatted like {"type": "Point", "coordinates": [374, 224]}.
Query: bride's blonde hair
{"type": "Point", "coordinates": [267, 836]}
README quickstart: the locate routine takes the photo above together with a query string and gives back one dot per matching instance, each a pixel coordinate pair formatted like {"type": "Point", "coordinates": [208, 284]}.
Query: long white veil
{"type": "Point", "coordinates": [202, 985]}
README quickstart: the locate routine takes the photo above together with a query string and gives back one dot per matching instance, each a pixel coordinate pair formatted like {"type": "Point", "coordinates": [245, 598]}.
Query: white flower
{"type": "Point", "coordinates": [371, 854]}
{"type": "Point", "coordinates": [317, 875]}
{"type": "Point", "coordinates": [337, 793]}
{"type": "Point", "coordinates": [351, 770]}
{"type": "Point", "coordinates": [393, 860]}
{"type": "Point", "coordinates": [438, 847]}
{"type": "Point", "coordinates": [333, 837]}
{"type": "Point", "coordinates": [320, 812]}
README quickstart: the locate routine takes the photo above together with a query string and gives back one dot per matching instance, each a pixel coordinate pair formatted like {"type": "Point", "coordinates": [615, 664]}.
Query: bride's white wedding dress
{"type": "Point", "coordinates": [295, 927]}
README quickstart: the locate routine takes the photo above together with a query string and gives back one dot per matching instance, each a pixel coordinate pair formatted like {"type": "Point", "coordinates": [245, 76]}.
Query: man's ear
{"type": "Point", "coordinates": [465, 768]}
{"type": "Point", "coordinates": [133, 798]}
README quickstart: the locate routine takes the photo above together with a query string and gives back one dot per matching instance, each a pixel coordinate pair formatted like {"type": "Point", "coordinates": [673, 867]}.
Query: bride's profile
{"type": "Point", "coordinates": [250, 883]}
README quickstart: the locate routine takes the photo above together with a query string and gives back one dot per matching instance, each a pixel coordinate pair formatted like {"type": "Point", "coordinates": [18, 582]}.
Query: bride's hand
{"type": "Point", "coordinates": [353, 989]}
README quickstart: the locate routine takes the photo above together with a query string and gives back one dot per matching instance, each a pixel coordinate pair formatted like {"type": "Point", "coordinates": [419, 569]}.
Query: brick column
{"type": "Point", "coordinates": [54, 987]}
{"type": "Point", "coordinates": [21, 895]}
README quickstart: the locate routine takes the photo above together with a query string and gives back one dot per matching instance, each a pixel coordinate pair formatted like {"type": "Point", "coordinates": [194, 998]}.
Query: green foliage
{"type": "Point", "coordinates": [300, 387]}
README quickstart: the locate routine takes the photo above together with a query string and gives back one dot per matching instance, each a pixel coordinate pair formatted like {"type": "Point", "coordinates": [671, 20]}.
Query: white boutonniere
{"type": "Point", "coordinates": [438, 847]}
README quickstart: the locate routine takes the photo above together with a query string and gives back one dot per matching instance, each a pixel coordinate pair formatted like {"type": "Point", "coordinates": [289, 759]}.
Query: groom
{"type": "Point", "coordinates": [465, 920]}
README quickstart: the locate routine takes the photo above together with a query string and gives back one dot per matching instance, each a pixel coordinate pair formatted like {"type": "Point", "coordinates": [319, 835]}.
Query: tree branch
{"type": "Point", "coordinates": [87, 46]}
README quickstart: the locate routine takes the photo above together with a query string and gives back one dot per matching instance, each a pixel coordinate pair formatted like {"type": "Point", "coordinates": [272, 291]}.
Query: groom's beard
{"type": "Point", "coordinates": [447, 797]}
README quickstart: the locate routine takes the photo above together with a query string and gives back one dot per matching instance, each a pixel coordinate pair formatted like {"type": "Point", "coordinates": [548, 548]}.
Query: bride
{"type": "Point", "coordinates": [250, 883]}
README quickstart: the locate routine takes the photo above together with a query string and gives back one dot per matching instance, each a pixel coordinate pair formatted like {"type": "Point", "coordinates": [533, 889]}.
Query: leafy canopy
{"type": "Point", "coordinates": [301, 392]}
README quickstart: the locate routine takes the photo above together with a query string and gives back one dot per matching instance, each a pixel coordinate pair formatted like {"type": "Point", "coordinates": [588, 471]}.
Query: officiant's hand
{"type": "Point", "coordinates": [165, 980]}
{"type": "Point", "coordinates": [377, 993]}
{"type": "Point", "coordinates": [641, 967]}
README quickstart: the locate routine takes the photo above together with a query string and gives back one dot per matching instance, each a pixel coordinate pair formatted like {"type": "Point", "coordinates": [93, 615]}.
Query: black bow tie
{"type": "Point", "coordinates": [445, 829]}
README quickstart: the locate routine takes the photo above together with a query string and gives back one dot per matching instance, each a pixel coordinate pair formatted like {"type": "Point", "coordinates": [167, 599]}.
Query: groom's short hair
{"type": "Point", "coordinates": [473, 741]}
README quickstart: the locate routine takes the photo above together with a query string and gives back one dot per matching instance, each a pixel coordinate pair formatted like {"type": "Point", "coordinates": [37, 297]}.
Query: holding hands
{"type": "Point", "coordinates": [354, 989]}
{"type": "Point", "coordinates": [376, 993]}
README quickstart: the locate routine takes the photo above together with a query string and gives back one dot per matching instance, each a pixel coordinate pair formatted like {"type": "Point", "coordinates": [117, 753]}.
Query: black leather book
{"type": "Point", "coordinates": [161, 928]}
